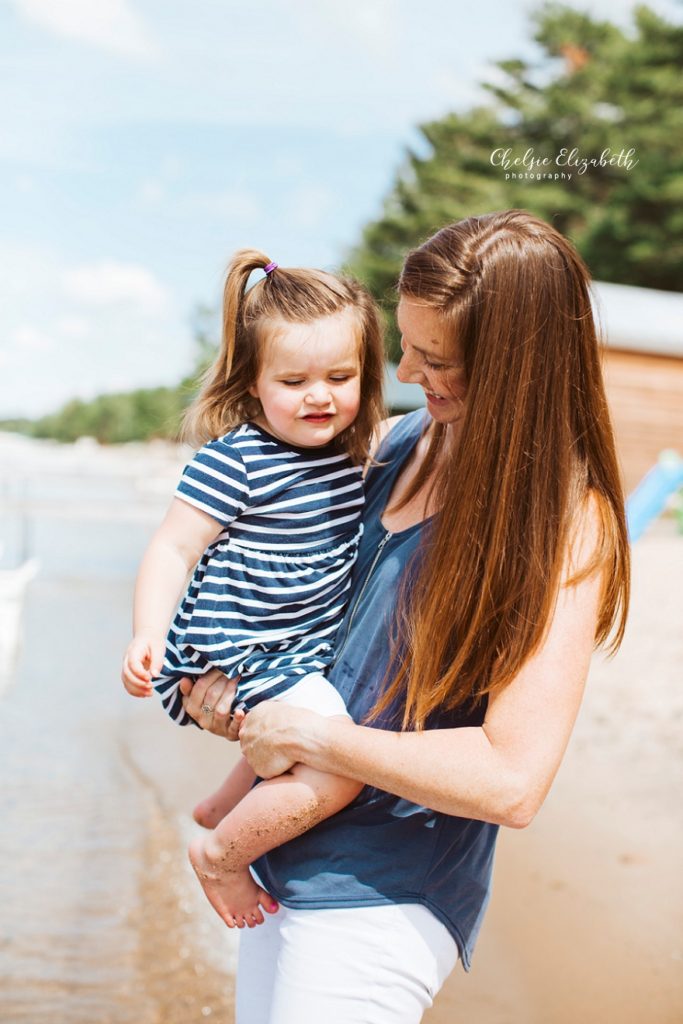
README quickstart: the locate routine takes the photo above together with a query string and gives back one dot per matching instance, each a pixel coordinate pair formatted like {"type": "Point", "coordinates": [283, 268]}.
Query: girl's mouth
{"type": "Point", "coordinates": [318, 417]}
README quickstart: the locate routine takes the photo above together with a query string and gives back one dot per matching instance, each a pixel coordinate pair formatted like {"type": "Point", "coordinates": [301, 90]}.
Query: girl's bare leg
{"type": "Point", "coordinates": [272, 813]}
{"type": "Point", "coordinates": [212, 810]}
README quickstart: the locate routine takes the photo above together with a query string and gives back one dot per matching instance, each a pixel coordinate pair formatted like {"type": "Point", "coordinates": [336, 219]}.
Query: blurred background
{"type": "Point", "coordinates": [142, 143]}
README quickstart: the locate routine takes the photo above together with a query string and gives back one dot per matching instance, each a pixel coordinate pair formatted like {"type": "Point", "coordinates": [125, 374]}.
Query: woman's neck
{"type": "Point", "coordinates": [400, 514]}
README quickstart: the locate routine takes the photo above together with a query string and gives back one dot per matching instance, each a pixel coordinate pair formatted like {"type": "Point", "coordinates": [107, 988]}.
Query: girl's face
{"type": "Point", "coordinates": [309, 381]}
{"type": "Point", "coordinates": [428, 361]}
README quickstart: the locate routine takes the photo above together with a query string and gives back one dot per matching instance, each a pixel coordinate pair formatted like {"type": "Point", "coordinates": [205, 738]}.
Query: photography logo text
{"type": "Point", "coordinates": [560, 167]}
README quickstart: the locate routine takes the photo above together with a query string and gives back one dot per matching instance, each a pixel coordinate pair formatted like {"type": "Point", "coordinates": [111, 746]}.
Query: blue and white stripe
{"type": "Point", "coordinates": [267, 597]}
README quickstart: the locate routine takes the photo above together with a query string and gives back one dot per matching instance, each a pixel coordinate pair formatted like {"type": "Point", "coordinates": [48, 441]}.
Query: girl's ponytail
{"type": "Point", "coordinates": [240, 269]}
{"type": "Point", "coordinates": [222, 402]}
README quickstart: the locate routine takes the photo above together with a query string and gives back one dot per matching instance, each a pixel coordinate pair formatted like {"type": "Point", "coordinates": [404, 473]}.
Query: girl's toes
{"type": "Point", "coordinates": [267, 902]}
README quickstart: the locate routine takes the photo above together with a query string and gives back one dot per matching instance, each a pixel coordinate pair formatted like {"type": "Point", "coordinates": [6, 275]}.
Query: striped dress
{"type": "Point", "coordinates": [267, 596]}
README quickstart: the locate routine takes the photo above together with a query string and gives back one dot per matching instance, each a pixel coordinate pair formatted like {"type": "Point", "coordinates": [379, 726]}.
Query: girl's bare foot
{"type": "Point", "coordinates": [232, 892]}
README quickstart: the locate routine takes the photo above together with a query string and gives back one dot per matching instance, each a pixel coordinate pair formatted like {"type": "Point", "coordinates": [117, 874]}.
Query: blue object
{"type": "Point", "coordinates": [651, 494]}
{"type": "Point", "coordinates": [383, 849]}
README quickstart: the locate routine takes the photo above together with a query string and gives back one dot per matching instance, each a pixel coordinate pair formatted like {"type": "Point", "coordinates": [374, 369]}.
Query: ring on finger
{"type": "Point", "coordinates": [207, 709]}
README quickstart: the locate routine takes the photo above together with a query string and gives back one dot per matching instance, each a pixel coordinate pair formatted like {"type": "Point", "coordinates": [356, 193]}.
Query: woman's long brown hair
{"type": "Point", "coordinates": [285, 295]}
{"type": "Point", "coordinates": [536, 442]}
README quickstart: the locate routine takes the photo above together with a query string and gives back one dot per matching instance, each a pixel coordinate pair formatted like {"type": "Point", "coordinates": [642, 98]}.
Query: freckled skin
{"type": "Point", "coordinates": [271, 814]}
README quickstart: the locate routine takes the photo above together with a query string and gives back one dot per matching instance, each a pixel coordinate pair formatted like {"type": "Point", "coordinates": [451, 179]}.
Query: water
{"type": "Point", "coordinates": [101, 919]}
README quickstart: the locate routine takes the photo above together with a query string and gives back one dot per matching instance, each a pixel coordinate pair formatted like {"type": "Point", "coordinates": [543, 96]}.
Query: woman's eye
{"type": "Point", "coordinates": [433, 366]}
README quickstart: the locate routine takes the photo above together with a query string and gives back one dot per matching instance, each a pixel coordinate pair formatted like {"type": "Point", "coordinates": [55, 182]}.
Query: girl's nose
{"type": "Point", "coordinates": [318, 394]}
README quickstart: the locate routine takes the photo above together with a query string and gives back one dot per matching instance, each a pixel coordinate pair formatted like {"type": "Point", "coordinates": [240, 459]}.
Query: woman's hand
{"type": "Point", "coordinates": [274, 736]}
{"type": "Point", "coordinates": [208, 700]}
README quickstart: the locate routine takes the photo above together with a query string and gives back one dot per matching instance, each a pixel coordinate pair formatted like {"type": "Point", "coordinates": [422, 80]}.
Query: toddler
{"type": "Point", "coordinates": [267, 519]}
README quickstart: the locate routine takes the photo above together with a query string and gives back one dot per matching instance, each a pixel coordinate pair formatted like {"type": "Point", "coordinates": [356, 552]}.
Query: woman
{"type": "Point", "coordinates": [494, 559]}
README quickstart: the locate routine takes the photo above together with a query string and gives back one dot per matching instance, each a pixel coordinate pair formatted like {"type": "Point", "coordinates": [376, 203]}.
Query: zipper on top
{"type": "Point", "coordinates": [378, 552]}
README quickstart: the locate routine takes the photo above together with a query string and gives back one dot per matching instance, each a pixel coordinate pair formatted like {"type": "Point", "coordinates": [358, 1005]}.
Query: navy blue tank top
{"type": "Point", "coordinates": [383, 849]}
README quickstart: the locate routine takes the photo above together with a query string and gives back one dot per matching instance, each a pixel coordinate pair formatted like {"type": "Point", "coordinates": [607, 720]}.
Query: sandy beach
{"type": "Point", "coordinates": [103, 920]}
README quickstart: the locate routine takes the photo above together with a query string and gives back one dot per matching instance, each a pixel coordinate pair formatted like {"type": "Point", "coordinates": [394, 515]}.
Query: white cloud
{"type": "Point", "coordinates": [73, 327]}
{"type": "Point", "coordinates": [151, 193]}
{"type": "Point", "coordinates": [31, 339]}
{"type": "Point", "coordinates": [109, 24]}
{"type": "Point", "coordinates": [106, 284]}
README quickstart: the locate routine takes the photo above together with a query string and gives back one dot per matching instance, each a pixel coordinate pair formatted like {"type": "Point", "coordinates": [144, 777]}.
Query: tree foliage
{"type": "Point", "coordinates": [593, 88]}
{"type": "Point", "coordinates": [113, 419]}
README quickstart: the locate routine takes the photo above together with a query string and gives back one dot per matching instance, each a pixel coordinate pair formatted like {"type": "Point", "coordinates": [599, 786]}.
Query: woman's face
{"type": "Point", "coordinates": [428, 361]}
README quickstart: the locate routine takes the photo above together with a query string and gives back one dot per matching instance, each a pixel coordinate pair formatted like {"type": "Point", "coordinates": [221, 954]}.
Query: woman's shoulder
{"type": "Point", "coordinates": [381, 432]}
{"type": "Point", "coordinates": [588, 542]}
{"type": "Point", "coordinates": [395, 430]}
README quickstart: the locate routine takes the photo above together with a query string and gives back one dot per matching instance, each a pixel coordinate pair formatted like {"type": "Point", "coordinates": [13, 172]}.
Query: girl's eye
{"type": "Point", "coordinates": [340, 378]}
{"type": "Point", "coordinates": [292, 383]}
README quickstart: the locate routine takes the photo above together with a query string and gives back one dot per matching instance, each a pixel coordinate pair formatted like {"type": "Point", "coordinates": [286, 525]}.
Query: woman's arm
{"type": "Point", "coordinates": [499, 772]}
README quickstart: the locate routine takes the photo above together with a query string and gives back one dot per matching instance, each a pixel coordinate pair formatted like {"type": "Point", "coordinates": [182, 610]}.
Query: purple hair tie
{"type": "Point", "coordinates": [270, 268]}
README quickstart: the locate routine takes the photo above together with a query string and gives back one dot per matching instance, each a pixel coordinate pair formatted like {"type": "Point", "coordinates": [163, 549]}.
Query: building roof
{"type": "Point", "coordinates": [640, 319]}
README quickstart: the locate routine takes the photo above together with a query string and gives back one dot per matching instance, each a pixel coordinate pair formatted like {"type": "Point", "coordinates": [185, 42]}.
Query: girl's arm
{"type": "Point", "coordinates": [499, 772]}
{"type": "Point", "coordinates": [174, 550]}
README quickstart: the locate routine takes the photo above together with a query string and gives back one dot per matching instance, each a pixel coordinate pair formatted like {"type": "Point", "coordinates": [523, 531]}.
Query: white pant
{"type": "Point", "coordinates": [361, 965]}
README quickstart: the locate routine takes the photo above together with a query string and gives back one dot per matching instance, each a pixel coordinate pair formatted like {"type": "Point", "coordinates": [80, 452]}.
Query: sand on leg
{"type": "Point", "coordinates": [272, 813]}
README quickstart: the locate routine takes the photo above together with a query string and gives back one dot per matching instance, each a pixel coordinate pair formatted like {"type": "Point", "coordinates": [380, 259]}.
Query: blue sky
{"type": "Point", "coordinates": [143, 141]}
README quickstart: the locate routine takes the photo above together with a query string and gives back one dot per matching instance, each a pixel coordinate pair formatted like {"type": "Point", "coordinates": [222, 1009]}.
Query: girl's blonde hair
{"type": "Point", "coordinates": [292, 295]}
{"type": "Point", "coordinates": [536, 442]}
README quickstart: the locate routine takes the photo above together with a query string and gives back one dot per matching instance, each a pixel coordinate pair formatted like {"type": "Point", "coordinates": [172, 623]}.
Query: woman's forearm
{"type": "Point", "coordinates": [498, 772]}
{"type": "Point", "coordinates": [455, 771]}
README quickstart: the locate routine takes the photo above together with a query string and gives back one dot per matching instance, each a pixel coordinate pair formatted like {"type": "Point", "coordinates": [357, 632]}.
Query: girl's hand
{"type": "Point", "coordinates": [274, 735]}
{"type": "Point", "coordinates": [212, 690]}
{"type": "Point", "coordinates": [143, 659]}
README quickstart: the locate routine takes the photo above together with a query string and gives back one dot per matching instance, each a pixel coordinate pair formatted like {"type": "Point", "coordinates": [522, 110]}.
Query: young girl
{"type": "Point", "coordinates": [267, 514]}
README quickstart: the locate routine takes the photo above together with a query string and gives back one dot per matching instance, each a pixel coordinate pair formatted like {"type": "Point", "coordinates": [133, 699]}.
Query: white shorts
{"type": "Point", "coordinates": [315, 693]}
{"type": "Point", "coordinates": [355, 965]}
